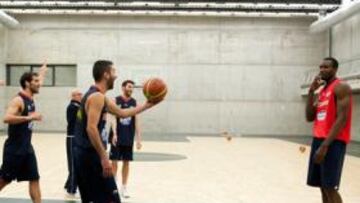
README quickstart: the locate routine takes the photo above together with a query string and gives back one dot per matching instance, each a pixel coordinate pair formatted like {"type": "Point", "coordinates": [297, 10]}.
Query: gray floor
{"type": "Point", "coordinates": [168, 163]}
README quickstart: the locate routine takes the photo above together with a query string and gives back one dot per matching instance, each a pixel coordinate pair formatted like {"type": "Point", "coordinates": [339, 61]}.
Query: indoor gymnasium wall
{"type": "Point", "coordinates": [224, 74]}
{"type": "Point", "coordinates": [2, 71]}
{"type": "Point", "coordinates": [346, 48]}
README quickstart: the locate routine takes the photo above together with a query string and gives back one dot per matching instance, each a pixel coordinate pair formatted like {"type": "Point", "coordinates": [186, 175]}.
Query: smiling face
{"type": "Point", "coordinates": [128, 89]}
{"type": "Point", "coordinates": [30, 81]}
{"type": "Point", "coordinates": [110, 77]}
{"type": "Point", "coordinates": [34, 84]}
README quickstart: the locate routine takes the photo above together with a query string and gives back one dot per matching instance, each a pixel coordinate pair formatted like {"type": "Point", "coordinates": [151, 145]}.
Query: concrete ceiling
{"type": "Point", "coordinates": [303, 7]}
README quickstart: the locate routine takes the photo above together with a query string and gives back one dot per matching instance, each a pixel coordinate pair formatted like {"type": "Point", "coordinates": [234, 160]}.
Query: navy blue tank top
{"type": "Point", "coordinates": [125, 126]}
{"type": "Point", "coordinates": [71, 112]}
{"type": "Point", "coordinates": [19, 135]}
{"type": "Point", "coordinates": [81, 135]}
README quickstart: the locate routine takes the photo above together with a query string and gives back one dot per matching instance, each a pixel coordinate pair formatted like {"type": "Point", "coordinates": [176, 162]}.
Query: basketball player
{"type": "Point", "coordinates": [19, 160]}
{"type": "Point", "coordinates": [71, 112]}
{"type": "Point", "coordinates": [93, 168]}
{"type": "Point", "coordinates": [331, 115]}
{"type": "Point", "coordinates": [123, 138]}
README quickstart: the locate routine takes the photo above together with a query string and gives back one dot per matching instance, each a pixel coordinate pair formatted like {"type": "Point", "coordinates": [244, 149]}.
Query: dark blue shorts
{"type": "Point", "coordinates": [93, 186]}
{"type": "Point", "coordinates": [22, 167]}
{"type": "Point", "coordinates": [328, 173]}
{"type": "Point", "coordinates": [121, 152]}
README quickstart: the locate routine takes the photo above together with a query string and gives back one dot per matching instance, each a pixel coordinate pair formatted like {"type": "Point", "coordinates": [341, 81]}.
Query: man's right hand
{"type": "Point", "coordinates": [114, 140]}
{"type": "Point", "coordinates": [35, 116]}
{"type": "Point", "coordinates": [316, 83]}
{"type": "Point", "coordinates": [151, 103]}
{"type": "Point", "coordinates": [107, 168]}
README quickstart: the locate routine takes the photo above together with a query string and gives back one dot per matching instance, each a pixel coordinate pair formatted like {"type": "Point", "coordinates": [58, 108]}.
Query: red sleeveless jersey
{"type": "Point", "coordinates": [326, 114]}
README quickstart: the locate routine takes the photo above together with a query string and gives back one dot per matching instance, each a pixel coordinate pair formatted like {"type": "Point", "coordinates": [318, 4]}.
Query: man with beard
{"type": "Point", "coordinates": [92, 165]}
{"type": "Point", "coordinates": [331, 115]}
{"type": "Point", "coordinates": [19, 160]}
{"type": "Point", "coordinates": [123, 139]}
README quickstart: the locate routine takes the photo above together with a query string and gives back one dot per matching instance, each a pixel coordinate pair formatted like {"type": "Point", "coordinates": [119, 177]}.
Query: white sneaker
{"type": "Point", "coordinates": [72, 196]}
{"type": "Point", "coordinates": [124, 193]}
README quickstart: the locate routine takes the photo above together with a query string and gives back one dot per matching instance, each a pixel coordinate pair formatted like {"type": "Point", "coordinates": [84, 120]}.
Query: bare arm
{"type": "Point", "coordinates": [343, 94]}
{"type": "Point", "coordinates": [94, 107]}
{"type": "Point", "coordinates": [137, 129]}
{"type": "Point", "coordinates": [310, 107]}
{"type": "Point", "coordinates": [12, 115]}
{"type": "Point", "coordinates": [112, 122]}
{"type": "Point", "coordinates": [124, 113]}
{"type": "Point", "coordinates": [42, 73]}
{"type": "Point", "coordinates": [310, 110]}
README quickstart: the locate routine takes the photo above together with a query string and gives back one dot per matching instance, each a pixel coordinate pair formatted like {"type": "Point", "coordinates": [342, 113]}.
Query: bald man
{"type": "Point", "coordinates": [73, 107]}
{"type": "Point", "coordinates": [2, 82]}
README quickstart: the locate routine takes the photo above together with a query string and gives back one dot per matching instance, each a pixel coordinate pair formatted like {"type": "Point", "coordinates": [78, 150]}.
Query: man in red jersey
{"type": "Point", "coordinates": [331, 114]}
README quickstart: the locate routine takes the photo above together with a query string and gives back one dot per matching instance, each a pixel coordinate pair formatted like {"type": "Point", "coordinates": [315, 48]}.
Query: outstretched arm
{"type": "Point", "coordinates": [124, 113]}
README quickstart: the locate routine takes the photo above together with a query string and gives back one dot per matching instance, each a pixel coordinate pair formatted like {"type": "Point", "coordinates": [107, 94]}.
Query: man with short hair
{"type": "Point", "coordinates": [331, 115]}
{"type": "Point", "coordinates": [19, 160]}
{"type": "Point", "coordinates": [123, 139]}
{"type": "Point", "coordinates": [92, 165]}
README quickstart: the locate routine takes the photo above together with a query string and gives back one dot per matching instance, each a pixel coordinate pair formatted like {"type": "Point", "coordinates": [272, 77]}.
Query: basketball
{"type": "Point", "coordinates": [154, 89]}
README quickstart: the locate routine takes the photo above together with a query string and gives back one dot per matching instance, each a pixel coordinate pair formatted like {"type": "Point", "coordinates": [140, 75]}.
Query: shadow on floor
{"type": "Point", "coordinates": [149, 156]}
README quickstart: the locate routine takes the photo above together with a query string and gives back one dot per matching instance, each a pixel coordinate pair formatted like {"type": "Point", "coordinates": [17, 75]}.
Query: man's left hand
{"type": "Point", "coordinates": [320, 154]}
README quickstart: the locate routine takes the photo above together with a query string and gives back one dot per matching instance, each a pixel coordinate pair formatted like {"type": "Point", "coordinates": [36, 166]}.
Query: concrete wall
{"type": "Point", "coordinates": [346, 48]}
{"type": "Point", "coordinates": [238, 73]}
{"type": "Point", "coordinates": [2, 70]}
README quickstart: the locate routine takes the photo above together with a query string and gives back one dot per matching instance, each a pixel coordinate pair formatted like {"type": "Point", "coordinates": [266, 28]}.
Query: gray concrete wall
{"type": "Point", "coordinates": [2, 70]}
{"type": "Point", "coordinates": [346, 48]}
{"type": "Point", "coordinates": [223, 73]}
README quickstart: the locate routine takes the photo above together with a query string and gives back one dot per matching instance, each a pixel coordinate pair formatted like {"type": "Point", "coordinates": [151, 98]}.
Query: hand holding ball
{"type": "Point", "coordinates": [154, 90]}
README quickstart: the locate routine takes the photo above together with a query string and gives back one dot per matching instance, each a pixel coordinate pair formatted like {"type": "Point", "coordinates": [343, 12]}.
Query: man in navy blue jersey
{"type": "Point", "coordinates": [19, 160]}
{"type": "Point", "coordinates": [93, 168]}
{"type": "Point", "coordinates": [123, 139]}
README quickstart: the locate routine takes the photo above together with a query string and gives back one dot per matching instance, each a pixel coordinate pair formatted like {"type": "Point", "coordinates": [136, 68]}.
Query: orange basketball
{"type": "Point", "coordinates": [154, 90]}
